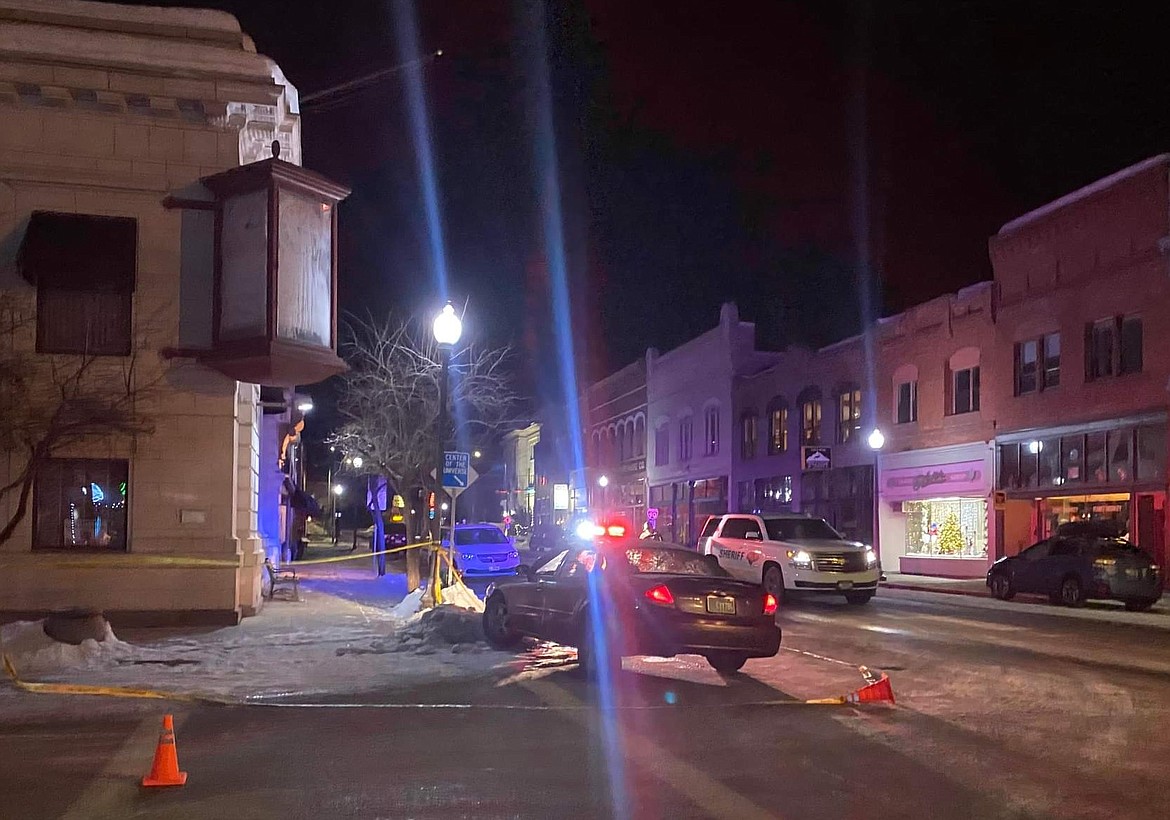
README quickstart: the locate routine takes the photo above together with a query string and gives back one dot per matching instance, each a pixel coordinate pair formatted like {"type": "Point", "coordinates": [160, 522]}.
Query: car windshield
{"type": "Point", "coordinates": [652, 560]}
{"type": "Point", "coordinates": [795, 529]}
{"type": "Point", "coordinates": [479, 535]}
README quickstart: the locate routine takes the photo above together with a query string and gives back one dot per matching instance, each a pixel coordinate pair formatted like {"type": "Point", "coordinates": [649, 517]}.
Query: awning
{"type": "Point", "coordinates": [80, 252]}
{"type": "Point", "coordinates": [302, 501]}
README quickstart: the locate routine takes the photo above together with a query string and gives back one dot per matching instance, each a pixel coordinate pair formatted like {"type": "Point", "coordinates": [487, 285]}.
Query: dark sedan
{"type": "Point", "coordinates": [1073, 566]}
{"type": "Point", "coordinates": [630, 597]}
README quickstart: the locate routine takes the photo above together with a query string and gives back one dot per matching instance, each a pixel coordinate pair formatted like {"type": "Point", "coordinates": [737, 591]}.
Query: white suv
{"type": "Point", "coordinates": [791, 553]}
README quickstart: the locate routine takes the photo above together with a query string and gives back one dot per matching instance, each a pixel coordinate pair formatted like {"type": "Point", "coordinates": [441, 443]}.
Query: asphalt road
{"type": "Point", "coordinates": [999, 714]}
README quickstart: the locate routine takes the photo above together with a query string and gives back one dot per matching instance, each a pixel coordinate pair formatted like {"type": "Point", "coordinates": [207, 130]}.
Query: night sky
{"type": "Point", "coordinates": [713, 151]}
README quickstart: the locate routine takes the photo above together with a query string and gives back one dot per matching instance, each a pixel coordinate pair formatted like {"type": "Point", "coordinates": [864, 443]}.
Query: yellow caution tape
{"type": "Point", "coordinates": [139, 561]}
{"type": "Point", "coordinates": [105, 691]}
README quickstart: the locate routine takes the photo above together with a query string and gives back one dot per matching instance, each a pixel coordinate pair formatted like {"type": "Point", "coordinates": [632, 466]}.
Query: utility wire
{"type": "Point", "coordinates": [335, 95]}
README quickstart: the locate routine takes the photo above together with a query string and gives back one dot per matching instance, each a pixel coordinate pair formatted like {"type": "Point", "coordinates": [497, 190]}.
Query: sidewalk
{"type": "Point", "coordinates": [343, 636]}
{"type": "Point", "coordinates": [976, 588]}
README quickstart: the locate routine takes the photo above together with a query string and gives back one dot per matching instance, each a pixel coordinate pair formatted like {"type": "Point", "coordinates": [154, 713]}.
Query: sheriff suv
{"type": "Point", "coordinates": [791, 553]}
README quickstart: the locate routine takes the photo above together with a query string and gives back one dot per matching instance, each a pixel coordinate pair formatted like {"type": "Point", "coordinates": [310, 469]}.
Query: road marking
{"type": "Point", "coordinates": [112, 790]}
{"type": "Point", "coordinates": [704, 791]}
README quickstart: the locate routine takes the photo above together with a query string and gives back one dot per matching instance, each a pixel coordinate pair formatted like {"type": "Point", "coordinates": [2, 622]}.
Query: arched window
{"type": "Point", "coordinates": [620, 441]}
{"type": "Point", "coordinates": [810, 415]}
{"type": "Point", "coordinates": [662, 444]}
{"type": "Point", "coordinates": [640, 437]}
{"type": "Point", "coordinates": [749, 424]}
{"type": "Point", "coordinates": [686, 437]}
{"type": "Point", "coordinates": [630, 439]}
{"type": "Point", "coordinates": [777, 426]}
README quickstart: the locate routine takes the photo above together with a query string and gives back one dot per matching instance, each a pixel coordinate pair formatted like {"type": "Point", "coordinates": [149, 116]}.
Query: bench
{"type": "Point", "coordinates": [278, 577]}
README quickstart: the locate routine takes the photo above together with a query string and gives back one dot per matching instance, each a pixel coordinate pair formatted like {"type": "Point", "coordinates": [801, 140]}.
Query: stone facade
{"type": "Point", "coordinates": [107, 110]}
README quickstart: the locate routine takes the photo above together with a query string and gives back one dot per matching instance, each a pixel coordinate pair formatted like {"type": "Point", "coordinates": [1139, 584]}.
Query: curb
{"type": "Point", "coordinates": [969, 593]}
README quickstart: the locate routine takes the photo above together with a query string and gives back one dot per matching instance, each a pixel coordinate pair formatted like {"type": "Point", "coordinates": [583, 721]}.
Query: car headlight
{"type": "Point", "coordinates": [467, 556]}
{"type": "Point", "coordinates": [513, 554]}
{"type": "Point", "coordinates": [800, 559]}
{"type": "Point", "coordinates": [870, 558]}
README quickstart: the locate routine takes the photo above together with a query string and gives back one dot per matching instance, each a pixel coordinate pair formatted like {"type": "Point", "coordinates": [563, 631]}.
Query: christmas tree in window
{"type": "Point", "coordinates": [950, 537]}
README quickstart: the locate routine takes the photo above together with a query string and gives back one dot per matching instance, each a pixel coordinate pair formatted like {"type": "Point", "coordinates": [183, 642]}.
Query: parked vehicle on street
{"type": "Point", "coordinates": [483, 549]}
{"type": "Point", "coordinates": [547, 538]}
{"type": "Point", "coordinates": [1076, 564]}
{"type": "Point", "coordinates": [396, 535]}
{"type": "Point", "coordinates": [791, 553]}
{"type": "Point", "coordinates": [623, 596]}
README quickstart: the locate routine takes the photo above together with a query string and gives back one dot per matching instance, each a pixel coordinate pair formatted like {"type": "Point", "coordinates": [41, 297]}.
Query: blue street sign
{"type": "Point", "coordinates": [456, 467]}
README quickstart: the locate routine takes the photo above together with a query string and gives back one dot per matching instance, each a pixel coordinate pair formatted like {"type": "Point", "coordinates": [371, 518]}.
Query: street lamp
{"type": "Point", "coordinates": [877, 440]}
{"type": "Point", "coordinates": [338, 490]}
{"type": "Point", "coordinates": [477, 454]}
{"type": "Point", "coordinates": [357, 462]}
{"type": "Point", "coordinates": [603, 482]}
{"type": "Point", "coordinates": [447, 328]}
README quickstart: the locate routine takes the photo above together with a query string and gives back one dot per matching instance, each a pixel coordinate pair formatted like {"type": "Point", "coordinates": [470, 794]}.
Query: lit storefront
{"type": "Point", "coordinates": [684, 506]}
{"type": "Point", "coordinates": [934, 511]}
{"type": "Point", "coordinates": [1112, 472]}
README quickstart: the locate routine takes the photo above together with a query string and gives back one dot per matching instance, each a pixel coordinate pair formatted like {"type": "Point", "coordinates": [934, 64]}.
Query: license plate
{"type": "Point", "coordinates": [844, 585]}
{"type": "Point", "coordinates": [721, 606]}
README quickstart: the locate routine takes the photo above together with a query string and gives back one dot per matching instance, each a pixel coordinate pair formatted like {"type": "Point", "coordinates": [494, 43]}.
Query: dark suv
{"type": "Point", "coordinates": [1078, 563]}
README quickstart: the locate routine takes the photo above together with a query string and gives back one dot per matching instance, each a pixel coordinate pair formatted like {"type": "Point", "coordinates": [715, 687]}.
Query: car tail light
{"type": "Point", "coordinates": [770, 604]}
{"type": "Point", "coordinates": [615, 531]}
{"type": "Point", "coordinates": [660, 595]}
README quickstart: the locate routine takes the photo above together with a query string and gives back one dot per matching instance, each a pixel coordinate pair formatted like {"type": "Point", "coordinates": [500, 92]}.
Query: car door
{"type": "Point", "coordinates": [525, 600]}
{"type": "Point", "coordinates": [1064, 558]}
{"type": "Point", "coordinates": [562, 594]}
{"type": "Point", "coordinates": [731, 547]}
{"type": "Point", "coordinates": [1029, 567]}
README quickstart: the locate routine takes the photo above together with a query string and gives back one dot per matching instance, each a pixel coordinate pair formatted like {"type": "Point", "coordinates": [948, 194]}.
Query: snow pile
{"type": "Point", "coordinates": [408, 607]}
{"type": "Point", "coordinates": [31, 650]}
{"type": "Point", "coordinates": [447, 625]}
{"type": "Point", "coordinates": [459, 594]}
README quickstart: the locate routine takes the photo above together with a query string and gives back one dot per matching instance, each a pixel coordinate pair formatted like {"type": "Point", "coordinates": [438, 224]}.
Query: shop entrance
{"type": "Point", "coordinates": [1106, 508]}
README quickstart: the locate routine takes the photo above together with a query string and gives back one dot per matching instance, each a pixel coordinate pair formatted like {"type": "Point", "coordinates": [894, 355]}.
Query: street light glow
{"type": "Point", "coordinates": [1035, 447]}
{"type": "Point", "coordinates": [447, 327]}
{"type": "Point", "coordinates": [444, 506]}
{"type": "Point", "coordinates": [877, 439]}
{"type": "Point", "coordinates": [338, 489]}
{"type": "Point", "coordinates": [305, 405]}
{"type": "Point", "coordinates": [357, 462]}
{"type": "Point", "coordinates": [603, 481]}
{"type": "Point", "coordinates": [477, 454]}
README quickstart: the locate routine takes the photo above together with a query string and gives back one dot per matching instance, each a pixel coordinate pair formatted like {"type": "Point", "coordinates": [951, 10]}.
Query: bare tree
{"type": "Point", "coordinates": [389, 399]}
{"type": "Point", "coordinates": [49, 403]}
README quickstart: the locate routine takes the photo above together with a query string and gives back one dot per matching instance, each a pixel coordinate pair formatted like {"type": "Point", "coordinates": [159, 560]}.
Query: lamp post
{"type": "Point", "coordinates": [447, 328]}
{"type": "Point", "coordinates": [876, 441]}
{"type": "Point", "coordinates": [603, 483]}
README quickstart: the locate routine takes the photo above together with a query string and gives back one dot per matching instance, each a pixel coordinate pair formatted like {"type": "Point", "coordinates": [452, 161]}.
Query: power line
{"type": "Point", "coordinates": [335, 95]}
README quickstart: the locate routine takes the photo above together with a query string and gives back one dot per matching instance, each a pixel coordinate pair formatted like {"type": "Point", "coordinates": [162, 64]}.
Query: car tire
{"type": "Point", "coordinates": [1001, 586]}
{"type": "Point", "coordinates": [1140, 604]}
{"type": "Point", "coordinates": [860, 597]}
{"type": "Point", "coordinates": [773, 581]}
{"type": "Point", "coordinates": [1070, 592]}
{"type": "Point", "coordinates": [727, 663]}
{"type": "Point", "coordinates": [495, 624]}
{"type": "Point", "coordinates": [588, 663]}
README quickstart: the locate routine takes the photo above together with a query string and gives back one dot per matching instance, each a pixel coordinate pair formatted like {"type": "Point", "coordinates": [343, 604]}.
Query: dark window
{"type": "Point", "coordinates": [686, 438]}
{"type": "Point", "coordinates": [1027, 356]}
{"type": "Point", "coordinates": [711, 442]}
{"type": "Point", "coordinates": [790, 529]}
{"type": "Point", "coordinates": [84, 270]}
{"type": "Point", "coordinates": [81, 504]}
{"type": "Point", "coordinates": [966, 390]}
{"type": "Point", "coordinates": [1099, 347]}
{"type": "Point", "coordinates": [1131, 345]}
{"type": "Point", "coordinates": [1096, 471]}
{"type": "Point", "coordinates": [1048, 451]}
{"type": "Point", "coordinates": [1051, 351]}
{"type": "Point", "coordinates": [735, 528]}
{"type": "Point", "coordinates": [848, 415]}
{"type": "Point", "coordinates": [1036, 551]}
{"type": "Point", "coordinates": [774, 493]}
{"type": "Point", "coordinates": [1064, 546]}
{"type": "Point", "coordinates": [907, 402]}
{"type": "Point", "coordinates": [1151, 452]}
{"type": "Point", "coordinates": [777, 427]}
{"type": "Point", "coordinates": [709, 527]}
{"type": "Point", "coordinates": [1072, 458]}
{"type": "Point", "coordinates": [749, 434]}
{"type": "Point", "coordinates": [662, 445]}
{"type": "Point", "coordinates": [1009, 466]}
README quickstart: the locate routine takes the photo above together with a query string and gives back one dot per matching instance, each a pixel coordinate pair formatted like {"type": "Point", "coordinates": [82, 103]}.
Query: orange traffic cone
{"type": "Point", "coordinates": [165, 771]}
{"type": "Point", "coordinates": [879, 692]}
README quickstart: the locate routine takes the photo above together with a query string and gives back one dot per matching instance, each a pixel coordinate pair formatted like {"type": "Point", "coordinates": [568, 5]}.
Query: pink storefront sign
{"type": "Point", "coordinates": [963, 478]}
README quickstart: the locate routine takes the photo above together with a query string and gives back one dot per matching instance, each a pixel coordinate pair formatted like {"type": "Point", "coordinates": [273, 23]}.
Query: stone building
{"type": "Point", "coordinates": [149, 238]}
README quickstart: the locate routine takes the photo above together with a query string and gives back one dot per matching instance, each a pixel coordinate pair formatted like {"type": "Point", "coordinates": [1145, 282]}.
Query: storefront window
{"type": "Point", "coordinates": [774, 494]}
{"type": "Point", "coordinates": [1108, 507]}
{"type": "Point", "coordinates": [747, 496]}
{"type": "Point", "coordinates": [1151, 452]}
{"type": "Point", "coordinates": [1009, 466]}
{"type": "Point", "coordinates": [1072, 458]}
{"type": "Point", "coordinates": [1121, 455]}
{"type": "Point", "coordinates": [1095, 469]}
{"type": "Point", "coordinates": [1028, 463]}
{"type": "Point", "coordinates": [80, 504]}
{"type": "Point", "coordinates": [946, 527]}
{"type": "Point", "coordinates": [1049, 460]}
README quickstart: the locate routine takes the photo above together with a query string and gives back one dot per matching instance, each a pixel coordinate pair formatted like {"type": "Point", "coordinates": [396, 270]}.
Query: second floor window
{"type": "Point", "coordinates": [1037, 364]}
{"type": "Point", "coordinates": [686, 438]}
{"type": "Point", "coordinates": [907, 409]}
{"type": "Point", "coordinates": [711, 429]}
{"type": "Point", "coordinates": [965, 385]}
{"type": "Point", "coordinates": [848, 415]}
{"type": "Point", "coordinates": [810, 422]}
{"type": "Point", "coordinates": [777, 429]}
{"type": "Point", "coordinates": [662, 445]}
{"type": "Point", "coordinates": [84, 268]}
{"type": "Point", "coordinates": [1113, 347]}
{"type": "Point", "coordinates": [748, 435]}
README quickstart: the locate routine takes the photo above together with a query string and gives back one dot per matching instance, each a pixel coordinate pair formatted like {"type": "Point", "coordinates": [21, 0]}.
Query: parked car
{"type": "Point", "coordinates": [791, 553]}
{"type": "Point", "coordinates": [622, 596]}
{"type": "Point", "coordinates": [547, 538]}
{"type": "Point", "coordinates": [1077, 564]}
{"type": "Point", "coordinates": [396, 535]}
{"type": "Point", "coordinates": [483, 549]}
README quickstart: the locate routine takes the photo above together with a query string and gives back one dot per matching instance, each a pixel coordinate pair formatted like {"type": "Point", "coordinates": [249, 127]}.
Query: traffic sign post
{"type": "Point", "coordinates": [458, 475]}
